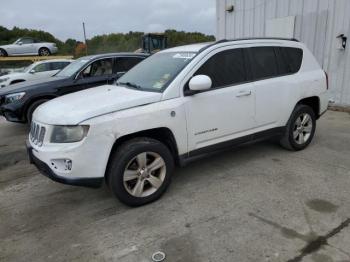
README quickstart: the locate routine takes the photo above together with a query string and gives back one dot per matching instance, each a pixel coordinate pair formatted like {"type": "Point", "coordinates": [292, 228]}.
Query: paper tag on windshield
{"type": "Point", "coordinates": [184, 55]}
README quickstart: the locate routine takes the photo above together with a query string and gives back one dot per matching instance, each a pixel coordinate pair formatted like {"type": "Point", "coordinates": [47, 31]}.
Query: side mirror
{"type": "Point", "coordinates": [200, 83]}
{"type": "Point", "coordinates": [32, 71]}
{"type": "Point", "coordinates": [119, 74]}
{"type": "Point", "coordinates": [19, 43]}
{"type": "Point", "coordinates": [78, 77]}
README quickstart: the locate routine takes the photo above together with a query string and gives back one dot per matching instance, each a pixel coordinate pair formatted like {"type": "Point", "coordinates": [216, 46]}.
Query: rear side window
{"type": "Point", "coordinates": [58, 65]}
{"type": "Point", "coordinates": [42, 68]}
{"type": "Point", "coordinates": [27, 41]}
{"type": "Point", "coordinates": [225, 68]}
{"type": "Point", "coordinates": [124, 64]}
{"type": "Point", "coordinates": [293, 57]}
{"type": "Point", "coordinates": [263, 62]}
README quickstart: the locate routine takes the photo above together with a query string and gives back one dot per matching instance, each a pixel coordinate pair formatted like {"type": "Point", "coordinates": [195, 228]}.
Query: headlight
{"type": "Point", "coordinates": [4, 79]}
{"type": "Point", "coordinates": [68, 134]}
{"type": "Point", "coordinates": [14, 97]}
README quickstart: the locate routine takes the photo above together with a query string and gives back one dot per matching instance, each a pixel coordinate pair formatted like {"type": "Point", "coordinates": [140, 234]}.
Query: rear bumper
{"type": "Point", "coordinates": [46, 171]}
{"type": "Point", "coordinates": [53, 50]}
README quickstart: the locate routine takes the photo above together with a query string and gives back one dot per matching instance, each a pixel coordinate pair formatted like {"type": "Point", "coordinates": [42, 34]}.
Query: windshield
{"type": "Point", "coordinates": [28, 68]}
{"type": "Point", "coordinates": [72, 68]}
{"type": "Point", "coordinates": [156, 72]}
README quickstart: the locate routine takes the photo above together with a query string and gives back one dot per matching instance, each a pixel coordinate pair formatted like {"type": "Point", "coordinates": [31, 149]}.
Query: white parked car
{"type": "Point", "coordinates": [28, 46]}
{"type": "Point", "coordinates": [175, 106]}
{"type": "Point", "coordinates": [35, 71]}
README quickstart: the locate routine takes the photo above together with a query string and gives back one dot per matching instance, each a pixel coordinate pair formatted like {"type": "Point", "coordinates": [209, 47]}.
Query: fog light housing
{"type": "Point", "coordinates": [62, 165]}
{"type": "Point", "coordinates": [68, 164]}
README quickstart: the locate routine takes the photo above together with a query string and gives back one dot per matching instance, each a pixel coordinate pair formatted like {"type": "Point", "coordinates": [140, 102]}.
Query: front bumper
{"type": "Point", "coordinates": [11, 112]}
{"type": "Point", "coordinates": [47, 171]}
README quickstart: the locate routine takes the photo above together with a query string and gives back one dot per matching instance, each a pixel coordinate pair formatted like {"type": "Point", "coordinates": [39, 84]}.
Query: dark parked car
{"type": "Point", "coordinates": [18, 102]}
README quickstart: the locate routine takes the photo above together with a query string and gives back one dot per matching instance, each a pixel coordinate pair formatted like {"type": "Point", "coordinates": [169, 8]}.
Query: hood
{"type": "Point", "coordinates": [12, 75]}
{"type": "Point", "coordinates": [77, 107]}
{"type": "Point", "coordinates": [6, 46]}
{"type": "Point", "coordinates": [29, 85]}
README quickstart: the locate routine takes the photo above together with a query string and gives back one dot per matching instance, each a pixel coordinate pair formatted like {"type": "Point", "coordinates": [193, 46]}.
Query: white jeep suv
{"type": "Point", "coordinates": [175, 106]}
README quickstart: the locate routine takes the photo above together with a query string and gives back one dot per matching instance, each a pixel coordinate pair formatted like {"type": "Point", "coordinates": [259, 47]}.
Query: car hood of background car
{"type": "Point", "coordinates": [6, 46]}
{"type": "Point", "coordinates": [31, 85]}
{"type": "Point", "coordinates": [77, 107]}
{"type": "Point", "coordinates": [14, 76]}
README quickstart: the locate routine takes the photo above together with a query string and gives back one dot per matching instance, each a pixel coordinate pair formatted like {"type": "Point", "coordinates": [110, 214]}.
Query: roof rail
{"type": "Point", "coordinates": [248, 38]}
{"type": "Point", "coordinates": [257, 38]}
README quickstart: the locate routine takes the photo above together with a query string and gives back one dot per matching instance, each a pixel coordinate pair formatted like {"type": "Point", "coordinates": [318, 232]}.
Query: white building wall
{"type": "Point", "coordinates": [317, 24]}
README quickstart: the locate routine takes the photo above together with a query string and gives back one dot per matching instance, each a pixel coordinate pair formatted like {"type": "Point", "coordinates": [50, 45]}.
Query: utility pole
{"type": "Point", "coordinates": [86, 47]}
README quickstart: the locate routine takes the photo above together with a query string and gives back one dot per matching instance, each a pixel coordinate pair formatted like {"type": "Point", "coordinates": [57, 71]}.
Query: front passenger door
{"type": "Point", "coordinates": [227, 110]}
{"type": "Point", "coordinates": [26, 46]}
{"type": "Point", "coordinates": [99, 72]}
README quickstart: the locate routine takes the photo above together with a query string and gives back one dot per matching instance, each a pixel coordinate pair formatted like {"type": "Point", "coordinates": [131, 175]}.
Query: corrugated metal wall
{"type": "Point", "coordinates": [317, 23]}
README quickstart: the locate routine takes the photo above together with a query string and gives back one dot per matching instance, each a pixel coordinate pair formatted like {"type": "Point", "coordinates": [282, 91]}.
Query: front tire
{"type": "Point", "coordinates": [3, 53]}
{"type": "Point", "coordinates": [140, 171]}
{"type": "Point", "coordinates": [44, 51]}
{"type": "Point", "coordinates": [300, 129]}
{"type": "Point", "coordinates": [32, 108]}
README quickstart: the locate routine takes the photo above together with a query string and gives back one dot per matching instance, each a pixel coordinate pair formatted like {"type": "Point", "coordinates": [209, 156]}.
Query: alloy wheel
{"type": "Point", "coordinates": [302, 128]}
{"type": "Point", "coordinates": [44, 52]}
{"type": "Point", "coordinates": [144, 174]}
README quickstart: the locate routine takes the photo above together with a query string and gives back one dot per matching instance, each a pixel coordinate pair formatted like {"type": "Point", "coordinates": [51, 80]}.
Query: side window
{"type": "Point", "coordinates": [293, 58]}
{"type": "Point", "coordinates": [225, 68]}
{"type": "Point", "coordinates": [282, 65]}
{"type": "Point", "coordinates": [58, 65]}
{"type": "Point", "coordinates": [27, 41]}
{"type": "Point", "coordinates": [263, 62]}
{"type": "Point", "coordinates": [99, 68]}
{"type": "Point", "coordinates": [42, 68]}
{"type": "Point", "coordinates": [124, 64]}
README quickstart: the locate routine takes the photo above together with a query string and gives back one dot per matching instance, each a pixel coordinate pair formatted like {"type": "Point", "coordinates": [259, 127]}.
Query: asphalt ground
{"type": "Point", "coordinates": [255, 203]}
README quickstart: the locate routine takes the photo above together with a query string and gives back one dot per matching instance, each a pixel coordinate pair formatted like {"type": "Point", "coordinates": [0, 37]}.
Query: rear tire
{"type": "Point", "coordinates": [140, 171]}
{"type": "Point", "coordinates": [3, 53]}
{"type": "Point", "coordinates": [32, 108]}
{"type": "Point", "coordinates": [300, 129]}
{"type": "Point", "coordinates": [44, 51]}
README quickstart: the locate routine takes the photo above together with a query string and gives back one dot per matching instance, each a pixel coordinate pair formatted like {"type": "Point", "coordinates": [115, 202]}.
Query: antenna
{"type": "Point", "coordinates": [86, 47]}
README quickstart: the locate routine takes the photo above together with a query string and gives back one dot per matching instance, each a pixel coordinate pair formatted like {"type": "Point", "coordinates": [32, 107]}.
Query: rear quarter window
{"type": "Point", "coordinates": [293, 58]}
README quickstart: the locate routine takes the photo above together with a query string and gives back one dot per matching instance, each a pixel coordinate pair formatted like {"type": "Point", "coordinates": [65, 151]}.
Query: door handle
{"type": "Point", "coordinates": [244, 93]}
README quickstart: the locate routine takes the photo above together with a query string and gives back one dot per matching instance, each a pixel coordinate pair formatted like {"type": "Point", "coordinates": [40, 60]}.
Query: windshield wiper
{"type": "Point", "coordinates": [129, 85]}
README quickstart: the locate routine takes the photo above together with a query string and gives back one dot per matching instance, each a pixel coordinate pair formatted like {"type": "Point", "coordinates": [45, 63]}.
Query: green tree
{"type": "Point", "coordinates": [114, 42]}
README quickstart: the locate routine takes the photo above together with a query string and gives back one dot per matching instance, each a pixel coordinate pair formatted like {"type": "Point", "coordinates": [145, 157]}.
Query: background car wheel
{"type": "Point", "coordinates": [32, 108]}
{"type": "Point", "coordinates": [3, 53]}
{"type": "Point", "coordinates": [140, 171]}
{"type": "Point", "coordinates": [44, 51]}
{"type": "Point", "coordinates": [300, 129]}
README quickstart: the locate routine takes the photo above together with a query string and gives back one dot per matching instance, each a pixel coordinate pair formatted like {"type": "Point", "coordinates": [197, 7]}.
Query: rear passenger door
{"type": "Point", "coordinates": [273, 77]}
{"type": "Point", "coordinates": [226, 111]}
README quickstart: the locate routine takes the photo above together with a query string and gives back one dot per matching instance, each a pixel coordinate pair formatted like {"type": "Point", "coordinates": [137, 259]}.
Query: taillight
{"type": "Point", "coordinates": [327, 81]}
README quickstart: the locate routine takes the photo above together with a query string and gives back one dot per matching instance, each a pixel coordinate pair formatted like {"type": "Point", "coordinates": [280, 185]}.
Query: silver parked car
{"type": "Point", "coordinates": [28, 46]}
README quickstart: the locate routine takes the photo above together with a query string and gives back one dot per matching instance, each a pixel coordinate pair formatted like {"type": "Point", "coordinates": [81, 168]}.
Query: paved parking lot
{"type": "Point", "coordinates": [258, 203]}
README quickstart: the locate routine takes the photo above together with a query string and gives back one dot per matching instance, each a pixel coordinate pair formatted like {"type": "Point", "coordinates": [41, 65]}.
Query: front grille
{"type": "Point", "coordinates": [37, 134]}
